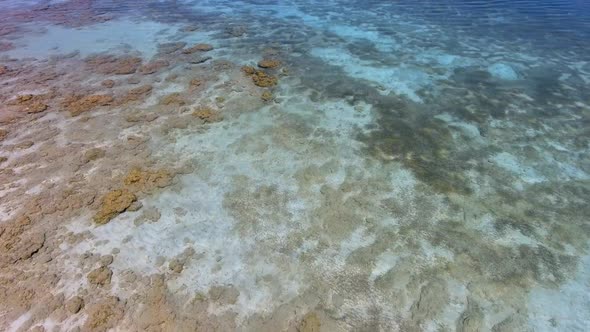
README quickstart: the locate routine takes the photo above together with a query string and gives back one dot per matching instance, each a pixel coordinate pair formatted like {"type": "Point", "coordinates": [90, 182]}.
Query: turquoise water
{"type": "Point", "coordinates": [294, 165]}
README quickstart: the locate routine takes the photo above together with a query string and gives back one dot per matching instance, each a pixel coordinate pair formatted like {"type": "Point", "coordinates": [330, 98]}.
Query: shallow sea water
{"type": "Point", "coordinates": [294, 165]}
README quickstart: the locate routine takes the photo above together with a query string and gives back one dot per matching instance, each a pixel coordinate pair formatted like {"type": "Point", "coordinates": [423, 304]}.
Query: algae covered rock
{"type": "Point", "coordinates": [114, 203]}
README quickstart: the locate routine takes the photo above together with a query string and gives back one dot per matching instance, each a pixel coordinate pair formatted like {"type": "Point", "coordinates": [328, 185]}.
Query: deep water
{"type": "Point", "coordinates": [294, 165]}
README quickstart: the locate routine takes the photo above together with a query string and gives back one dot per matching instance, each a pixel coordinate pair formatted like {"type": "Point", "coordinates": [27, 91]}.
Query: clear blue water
{"type": "Point", "coordinates": [295, 165]}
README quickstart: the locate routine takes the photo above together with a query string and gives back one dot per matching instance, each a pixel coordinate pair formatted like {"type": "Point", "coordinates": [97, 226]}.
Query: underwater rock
{"type": "Point", "coordinates": [263, 80]}
{"type": "Point", "coordinates": [174, 98]}
{"type": "Point", "coordinates": [106, 260]}
{"type": "Point", "coordinates": [93, 154]}
{"type": "Point", "coordinates": [471, 319]}
{"type": "Point", "coordinates": [112, 65]}
{"type": "Point", "coordinates": [154, 66]}
{"type": "Point", "coordinates": [6, 46]}
{"type": "Point", "coordinates": [310, 323]}
{"type": "Point", "coordinates": [147, 180]}
{"type": "Point", "coordinates": [135, 206]}
{"type": "Point", "coordinates": [249, 70]}
{"type": "Point", "coordinates": [268, 63]}
{"type": "Point", "coordinates": [176, 265]}
{"type": "Point", "coordinates": [168, 48]}
{"type": "Point", "coordinates": [150, 214]}
{"type": "Point", "coordinates": [104, 315]}
{"type": "Point", "coordinates": [3, 134]}
{"type": "Point", "coordinates": [31, 103]}
{"type": "Point", "coordinates": [100, 276]}
{"type": "Point", "coordinates": [259, 77]}
{"type": "Point", "coordinates": [77, 105]}
{"type": "Point", "coordinates": [503, 72]}
{"type": "Point", "coordinates": [225, 295]}
{"type": "Point", "coordinates": [267, 96]}
{"type": "Point", "coordinates": [114, 203]}
{"type": "Point", "coordinates": [195, 83]}
{"type": "Point", "coordinates": [198, 48]}
{"type": "Point", "coordinates": [199, 59]}
{"type": "Point", "coordinates": [74, 305]}
{"type": "Point", "coordinates": [207, 114]}
{"type": "Point", "coordinates": [135, 94]}
{"type": "Point", "coordinates": [236, 31]}
{"type": "Point", "coordinates": [108, 83]}
{"type": "Point", "coordinates": [36, 107]}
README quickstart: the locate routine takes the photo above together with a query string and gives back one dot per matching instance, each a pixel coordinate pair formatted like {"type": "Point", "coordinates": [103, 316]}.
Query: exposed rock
{"type": "Point", "coordinates": [207, 114]}
{"type": "Point", "coordinates": [108, 83]}
{"type": "Point", "coordinates": [310, 323]}
{"type": "Point", "coordinates": [77, 105]}
{"type": "Point", "coordinates": [3, 134]}
{"type": "Point", "coordinates": [74, 305]}
{"type": "Point", "coordinates": [100, 276]}
{"type": "Point", "coordinates": [3, 69]}
{"type": "Point", "coordinates": [269, 63]}
{"type": "Point", "coordinates": [104, 315]}
{"type": "Point", "coordinates": [198, 48]}
{"type": "Point", "coordinates": [114, 203]}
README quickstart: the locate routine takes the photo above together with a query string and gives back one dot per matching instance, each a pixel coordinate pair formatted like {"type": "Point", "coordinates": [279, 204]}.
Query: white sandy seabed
{"type": "Point", "coordinates": [247, 147]}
